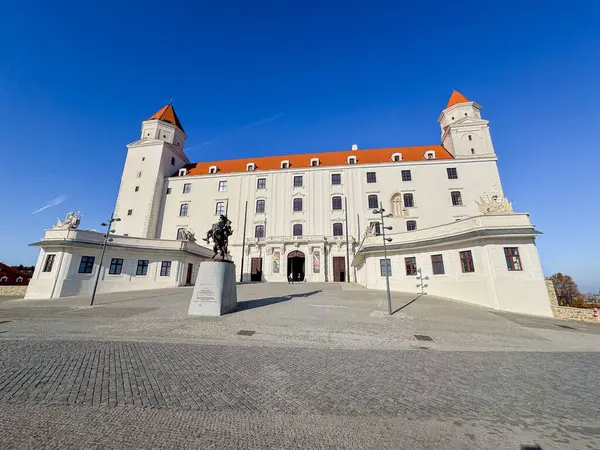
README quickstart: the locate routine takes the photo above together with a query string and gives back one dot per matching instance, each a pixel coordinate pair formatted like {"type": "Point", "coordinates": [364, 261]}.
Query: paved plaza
{"type": "Point", "coordinates": [301, 366]}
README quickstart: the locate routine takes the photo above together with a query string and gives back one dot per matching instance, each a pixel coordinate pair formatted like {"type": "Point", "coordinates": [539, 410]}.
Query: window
{"type": "Point", "coordinates": [260, 206]}
{"type": "Point", "coordinates": [187, 188]}
{"type": "Point", "coordinates": [222, 186]}
{"type": "Point", "coordinates": [397, 157]}
{"type": "Point", "coordinates": [129, 212]}
{"type": "Point", "coordinates": [385, 267]}
{"type": "Point", "coordinates": [456, 198]}
{"type": "Point", "coordinates": [173, 161]}
{"type": "Point", "coordinates": [142, 267]}
{"type": "Point", "coordinates": [250, 167]}
{"type": "Point", "coordinates": [470, 137]}
{"type": "Point", "coordinates": [336, 178]}
{"type": "Point", "coordinates": [297, 204]}
{"type": "Point", "coordinates": [466, 261]}
{"type": "Point", "coordinates": [139, 174]}
{"type": "Point", "coordinates": [452, 174]}
{"type": "Point", "coordinates": [165, 269]}
{"type": "Point", "coordinates": [18, 280]}
{"type": "Point", "coordinates": [180, 234]}
{"type": "Point", "coordinates": [219, 208]}
{"type": "Point", "coordinates": [168, 191]}
{"type": "Point", "coordinates": [213, 169]}
{"type": "Point", "coordinates": [373, 201]}
{"type": "Point", "coordinates": [285, 164]}
{"type": "Point", "coordinates": [409, 200]}
{"type": "Point", "coordinates": [182, 172]}
{"type": "Point", "coordinates": [513, 260]}
{"type": "Point", "coordinates": [375, 228]}
{"type": "Point", "coordinates": [411, 265]}
{"type": "Point", "coordinates": [411, 225]}
{"type": "Point", "coordinates": [406, 175]}
{"type": "Point", "coordinates": [259, 231]}
{"type": "Point", "coordinates": [48, 264]}
{"type": "Point", "coordinates": [87, 264]}
{"type": "Point", "coordinates": [183, 210]}
{"type": "Point", "coordinates": [437, 262]}
{"type": "Point", "coordinates": [351, 159]}
{"type": "Point", "coordinates": [336, 202]}
{"type": "Point", "coordinates": [4, 279]}
{"type": "Point", "coordinates": [143, 158]}
{"type": "Point", "coordinates": [297, 229]}
{"type": "Point", "coordinates": [338, 229]}
{"type": "Point", "coordinates": [430, 154]}
{"type": "Point", "coordinates": [298, 181]}
{"type": "Point", "coordinates": [371, 177]}
{"type": "Point", "coordinates": [261, 183]}
{"type": "Point", "coordinates": [116, 265]}
{"type": "Point", "coordinates": [137, 188]}
{"type": "Point", "coordinates": [314, 162]}
{"type": "Point", "coordinates": [472, 151]}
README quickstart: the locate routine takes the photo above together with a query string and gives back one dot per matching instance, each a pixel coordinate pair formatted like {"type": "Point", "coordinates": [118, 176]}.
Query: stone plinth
{"type": "Point", "coordinates": [215, 292]}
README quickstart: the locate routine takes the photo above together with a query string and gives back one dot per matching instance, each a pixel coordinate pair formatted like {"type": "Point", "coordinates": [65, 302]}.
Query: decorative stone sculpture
{"type": "Point", "coordinates": [188, 235]}
{"type": "Point", "coordinates": [71, 222]}
{"type": "Point", "coordinates": [494, 202]}
{"type": "Point", "coordinates": [220, 233]}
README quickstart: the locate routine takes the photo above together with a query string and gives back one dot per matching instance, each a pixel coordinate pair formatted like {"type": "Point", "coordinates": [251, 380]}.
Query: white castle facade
{"type": "Point", "coordinates": [312, 217]}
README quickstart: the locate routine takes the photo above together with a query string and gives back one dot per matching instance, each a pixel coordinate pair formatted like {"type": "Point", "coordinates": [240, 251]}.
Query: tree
{"type": "Point", "coordinates": [566, 290]}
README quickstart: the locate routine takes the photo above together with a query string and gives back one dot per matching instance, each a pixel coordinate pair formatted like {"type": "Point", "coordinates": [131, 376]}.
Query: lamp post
{"type": "Point", "coordinates": [106, 239]}
{"type": "Point", "coordinates": [388, 264]}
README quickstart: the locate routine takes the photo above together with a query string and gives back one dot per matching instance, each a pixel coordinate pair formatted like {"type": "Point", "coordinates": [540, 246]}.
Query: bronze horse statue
{"type": "Point", "coordinates": [220, 233]}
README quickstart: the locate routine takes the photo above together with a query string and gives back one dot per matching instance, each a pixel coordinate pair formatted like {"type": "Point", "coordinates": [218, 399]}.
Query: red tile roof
{"type": "Point", "coordinates": [167, 114]}
{"type": "Point", "coordinates": [338, 158]}
{"type": "Point", "coordinates": [456, 98]}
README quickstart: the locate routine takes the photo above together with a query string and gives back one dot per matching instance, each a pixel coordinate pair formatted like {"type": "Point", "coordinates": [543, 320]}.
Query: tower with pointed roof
{"type": "Point", "coordinates": [158, 154]}
{"type": "Point", "coordinates": [464, 133]}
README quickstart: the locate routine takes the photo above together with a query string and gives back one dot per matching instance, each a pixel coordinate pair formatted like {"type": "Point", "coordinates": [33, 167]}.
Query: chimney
{"type": "Point", "coordinates": [354, 147]}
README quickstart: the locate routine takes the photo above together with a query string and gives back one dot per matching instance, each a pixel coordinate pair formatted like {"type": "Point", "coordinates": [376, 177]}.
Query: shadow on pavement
{"type": "Point", "coordinates": [250, 304]}
{"type": "Point", "coordinates": [408, 304]}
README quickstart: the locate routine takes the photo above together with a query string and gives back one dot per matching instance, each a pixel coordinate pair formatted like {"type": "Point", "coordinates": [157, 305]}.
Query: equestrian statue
{"type": "Point", "coordinates": [220, 233]}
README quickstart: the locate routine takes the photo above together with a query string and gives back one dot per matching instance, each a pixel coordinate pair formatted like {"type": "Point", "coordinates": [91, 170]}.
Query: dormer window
{"type": "Point", "coordinates": [4, 279]}
{"type": "Point", "coordinates": [314, 162]}
{"type": "Point", "coordinates": [430, 154]}
{"type": "Point", "coordinates": [396, 157]}
{"type": "Point", "coordinates": [213, 169]}
{"type": "Point", "coordinates": [250, 167]}
{"type": "Point", "coordinates": [19, 279]}
{"type": "Point", "coordinates": [183, 172]}
{"type": "Point", "coordinates": [285, 164]}
{"type": "Point", "coordinates": [351, 159]}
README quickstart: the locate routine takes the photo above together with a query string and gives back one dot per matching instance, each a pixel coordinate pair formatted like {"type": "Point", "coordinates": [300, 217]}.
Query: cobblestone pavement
{"type": "Point", "coordinates": [91, 394]}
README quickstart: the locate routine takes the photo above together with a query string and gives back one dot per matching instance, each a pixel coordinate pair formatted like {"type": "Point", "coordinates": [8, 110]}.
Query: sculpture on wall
{"type": "Point", "coordinates": [71, 222]}
{"type": "Point", "coordinates": [220, 233]}
{"type": "Point", "coordinates": [188, 235]}
{"type": "Point", "coordinates": [494, 202]}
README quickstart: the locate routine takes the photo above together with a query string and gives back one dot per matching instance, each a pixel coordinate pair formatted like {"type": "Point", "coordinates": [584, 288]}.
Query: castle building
{"type": "Point", "coordinates": [316, 217]}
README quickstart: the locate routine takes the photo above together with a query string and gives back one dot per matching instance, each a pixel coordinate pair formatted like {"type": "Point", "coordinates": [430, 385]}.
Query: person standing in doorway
{"type": "Point", "coordinates": [290, 278]}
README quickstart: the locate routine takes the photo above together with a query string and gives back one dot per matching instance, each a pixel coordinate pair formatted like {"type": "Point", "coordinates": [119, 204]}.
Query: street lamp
{"type": "Point", "coordinates": [388, 264]}
{"type": "Point", "coordinates": [104, 242]}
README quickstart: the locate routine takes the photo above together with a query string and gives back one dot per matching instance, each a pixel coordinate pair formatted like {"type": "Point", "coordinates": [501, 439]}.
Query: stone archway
{"type": "Point", "coordinates": [296, 264]}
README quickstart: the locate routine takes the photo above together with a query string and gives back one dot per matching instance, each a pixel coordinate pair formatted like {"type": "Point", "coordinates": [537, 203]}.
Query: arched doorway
{"type": "Point", "coordinates": [295, 265]}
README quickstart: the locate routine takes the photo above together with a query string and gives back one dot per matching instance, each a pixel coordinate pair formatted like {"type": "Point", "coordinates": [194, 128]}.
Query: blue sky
{"type": "Point", "coordinates": [261, 78]}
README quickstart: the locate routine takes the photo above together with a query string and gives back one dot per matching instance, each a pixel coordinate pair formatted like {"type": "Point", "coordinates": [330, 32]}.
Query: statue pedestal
{"type": "Point", "coordinates": [215, 292]}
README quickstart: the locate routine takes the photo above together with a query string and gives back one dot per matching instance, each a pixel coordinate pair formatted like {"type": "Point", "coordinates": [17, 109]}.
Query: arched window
{"type": "Point", "coordinates": [409, 200]}
{"type": "Point", "coordinates": [351, 159]}
{"type": "Point", "coordinates": [411, 225]}
{"type": "Point", "coordinates": [260, 206]}
{"type": "Point", "coordinates": [338, 229]}
{"type": "Point", "coordinates": [4, 279]}
{"type": "Point", "coordinates": [19, 279]}
{"type": "Point", "coordinates": [336, 202]}
{"type": "Point", "coordinates": [397, 205]}
{"type": "Point", "coordinates": [373, 201]}
{"type": "Point", "coordinates": [259, 231]}
{"type": "Point", "coordinates": [396, 157]}
{"type": "Point", "coordinates": [297, 229]}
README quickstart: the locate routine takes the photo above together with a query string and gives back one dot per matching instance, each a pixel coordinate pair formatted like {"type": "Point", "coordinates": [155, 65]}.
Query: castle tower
{"type": "Point", "coordinates": [156, 155]}
{"type": "Point", "coordinates": [464, 133]}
